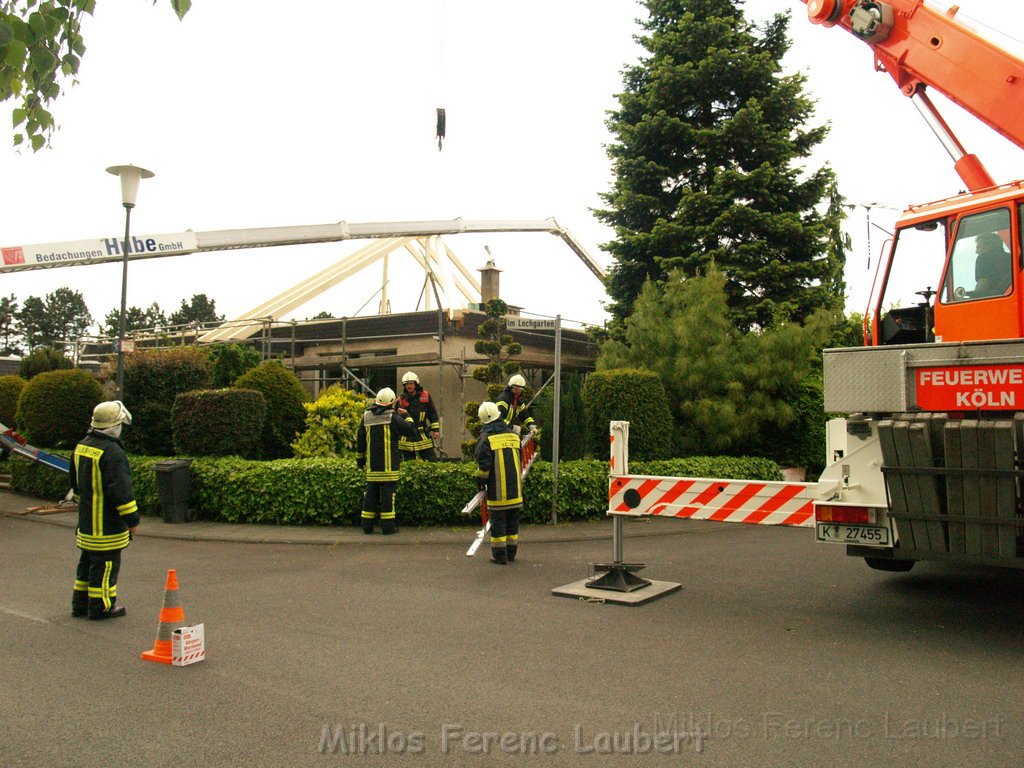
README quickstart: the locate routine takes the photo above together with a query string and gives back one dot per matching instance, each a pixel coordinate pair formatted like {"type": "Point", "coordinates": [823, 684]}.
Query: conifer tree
{"type": "Point", "coordinates": [725, 387]}
{"type": "Point", "coordinates": [710, 141]}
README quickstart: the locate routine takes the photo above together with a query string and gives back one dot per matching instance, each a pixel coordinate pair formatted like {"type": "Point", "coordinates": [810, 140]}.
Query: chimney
{"type": "Point", "coordinates": [489, 279]}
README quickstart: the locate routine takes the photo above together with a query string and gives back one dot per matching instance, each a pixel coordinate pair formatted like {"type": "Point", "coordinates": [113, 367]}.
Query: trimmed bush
{"type": "Point", "coordinates": [218, 422]}
{"type": "Point", "coordinates": [10, 391]}
{"type": "Point", "coordinates": [42, 360]}
{"type": "Point", "coordinates": [285, 415]}
{"type": "Point", "coordinates": [55, 408]}
{"type": "Point", "coordinates": [152, 379]}
{"type": "Point", "coordinates": [633, 395]}
{"type": "Point", "coordinates": [331, 423]}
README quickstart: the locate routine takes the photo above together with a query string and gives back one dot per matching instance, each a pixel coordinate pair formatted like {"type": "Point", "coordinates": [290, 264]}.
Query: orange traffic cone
{"type": "Point", "coordinates": [171, 614]}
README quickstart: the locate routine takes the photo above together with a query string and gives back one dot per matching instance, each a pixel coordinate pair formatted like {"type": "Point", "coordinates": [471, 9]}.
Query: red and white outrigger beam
{"type": "Point", "coordinates": [528, 452]}
{"type": "Point", "coordinates": [733, 501]}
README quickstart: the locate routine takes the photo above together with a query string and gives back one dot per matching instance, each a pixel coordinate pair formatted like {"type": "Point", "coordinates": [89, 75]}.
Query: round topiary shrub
{"type": "Point", "coordinates": [218, 422]}
{"type": "Point", "coordinates": [285, 417]}
{"type": "Point", "coordinates": [633, 395]}
{"type": "Point", "coordinates": [10, 391]}
{"type": "Point", "coordinates": [55, 408]}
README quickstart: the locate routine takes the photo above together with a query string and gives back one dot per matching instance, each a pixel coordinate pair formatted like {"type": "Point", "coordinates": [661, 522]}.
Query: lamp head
{"type": "Point", "coordinates": [130, 176]}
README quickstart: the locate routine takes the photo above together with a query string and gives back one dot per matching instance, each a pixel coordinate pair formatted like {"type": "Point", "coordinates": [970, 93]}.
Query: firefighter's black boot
{"type": "Point", "coordinates": [97, 613]}
{"type": "Point", "coordinates": [367, 526]}
{"type": "Point", "coordinates": [499, 556]}
{"type": "Point", "coordinates": [511, 550]}
{"type": "Point", "coordinates": [388, 527]}
{"type": "Point", "coordinates": [79, 604]}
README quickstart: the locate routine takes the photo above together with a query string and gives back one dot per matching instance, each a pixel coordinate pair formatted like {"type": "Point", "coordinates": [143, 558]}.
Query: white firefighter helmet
{"type": "Point", "coordinates": [386, 396]}
{"type": "Point", "coordinates": [110, 414]}
{"type": "Point", "coordinates": [517, 381]}
{"type": "Point", "coordinates": [487, 412]}
{"type": "Point", "coordinates": [410, 376]}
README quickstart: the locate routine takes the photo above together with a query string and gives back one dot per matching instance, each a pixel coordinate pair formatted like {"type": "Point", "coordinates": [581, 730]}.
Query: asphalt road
{"type": "Point", "coordinates": [776, 652]}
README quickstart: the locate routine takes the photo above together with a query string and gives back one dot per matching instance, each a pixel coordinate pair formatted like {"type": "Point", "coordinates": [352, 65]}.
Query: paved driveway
{"type": "Point", "coordinates": [776, 651]}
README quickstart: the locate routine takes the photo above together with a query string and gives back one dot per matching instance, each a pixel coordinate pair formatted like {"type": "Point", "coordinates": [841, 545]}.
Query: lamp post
{"type": "Point", "coordinates": [130, 176]}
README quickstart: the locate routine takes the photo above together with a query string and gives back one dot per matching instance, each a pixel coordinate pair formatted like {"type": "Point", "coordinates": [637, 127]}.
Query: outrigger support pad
{"type": "Point", "coordinates": [619, 577]}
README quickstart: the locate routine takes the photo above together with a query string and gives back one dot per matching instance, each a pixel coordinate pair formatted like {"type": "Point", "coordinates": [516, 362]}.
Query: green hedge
{"type": "Point", "coordinates": [218, 422]}
{"type": "Point", "coordinates": [330, 491]}
{"type": "Point", "coordinates": [42, 482]}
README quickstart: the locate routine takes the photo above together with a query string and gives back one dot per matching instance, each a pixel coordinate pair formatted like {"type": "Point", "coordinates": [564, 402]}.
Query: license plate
{"type": "Point", "coordinates": [871, 535]}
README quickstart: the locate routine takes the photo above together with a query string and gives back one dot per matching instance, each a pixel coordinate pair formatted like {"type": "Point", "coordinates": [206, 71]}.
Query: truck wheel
{"type": "Point", "coordinates": [892, 566]}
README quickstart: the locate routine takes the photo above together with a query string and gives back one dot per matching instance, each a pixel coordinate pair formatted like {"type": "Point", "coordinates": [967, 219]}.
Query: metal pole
{"type": "Point", "coordinates": [440, 349]}
{"type": "Point", "coordinates": [619, 466]}
{"type": "Point", "coordinates": [556, 418]}
{"type": "Point", "coordinates": [124, 300]}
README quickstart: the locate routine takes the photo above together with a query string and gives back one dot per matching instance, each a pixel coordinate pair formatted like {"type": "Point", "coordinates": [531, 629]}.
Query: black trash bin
{"type": "Point", "coordinates": [174, 483]}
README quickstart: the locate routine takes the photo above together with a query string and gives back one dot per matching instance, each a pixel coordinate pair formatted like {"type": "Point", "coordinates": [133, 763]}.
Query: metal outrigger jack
{"type": "Point", "coordinates": [618, 582]}
{"type": "Point", "coordinates": [618, 576]}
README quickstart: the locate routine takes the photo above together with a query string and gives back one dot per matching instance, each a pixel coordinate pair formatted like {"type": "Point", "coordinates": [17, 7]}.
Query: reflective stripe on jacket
{"type": "Point", "coordinates": [100, 475]}
{"type": "Point", "coordinates": [498, 462]}
{"type": "Point", "coordinates": [377, 442]}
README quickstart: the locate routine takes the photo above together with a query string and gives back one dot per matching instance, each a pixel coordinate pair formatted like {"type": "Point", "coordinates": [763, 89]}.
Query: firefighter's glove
{"type": "Point", "coordinates": [361, 463]}
{"type": "Point", "coordinates": [481, 485]}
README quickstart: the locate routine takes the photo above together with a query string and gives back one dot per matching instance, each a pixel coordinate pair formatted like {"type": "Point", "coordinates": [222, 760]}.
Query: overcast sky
{"type": "Point", "coordinates": [257, 114]}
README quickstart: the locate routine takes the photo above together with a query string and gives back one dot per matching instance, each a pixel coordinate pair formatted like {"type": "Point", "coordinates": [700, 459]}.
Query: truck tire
{"type": "Point", "coordinates": [886, 564]}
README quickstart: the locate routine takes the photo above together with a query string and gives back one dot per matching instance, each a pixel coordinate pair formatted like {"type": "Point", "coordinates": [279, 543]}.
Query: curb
{"type": "Point", "coordinates": [248, 533]}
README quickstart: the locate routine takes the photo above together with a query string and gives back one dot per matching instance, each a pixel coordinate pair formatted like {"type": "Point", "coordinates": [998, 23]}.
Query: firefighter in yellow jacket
{"type": "Point", "coordinates": [107, 512]}
{"type": "Point", "coordinates": [377, 446]}
{"type": "Point", "coordinates": [500, 474]}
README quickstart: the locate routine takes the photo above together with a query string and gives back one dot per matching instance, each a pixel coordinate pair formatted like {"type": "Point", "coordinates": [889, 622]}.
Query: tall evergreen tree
{"type": "Point", "coordinates": [67, 315]}
{"type": "Point", "coordinates": [725, 387]}
{"type": "Point", "coordinates": [710, 136]}
{"type": "Point", "coordinates": [33, 323]}
{"type": "Point", "coordinates": [135, 319]}
{"type": "Point", "coordinates": [200, 309]}
{"type": "Point", "coordinates": [9, 325]}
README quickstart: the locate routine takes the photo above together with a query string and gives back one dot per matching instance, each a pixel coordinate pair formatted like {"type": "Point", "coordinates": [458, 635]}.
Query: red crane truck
{"type": "Point", "coordinates": [928, 463]}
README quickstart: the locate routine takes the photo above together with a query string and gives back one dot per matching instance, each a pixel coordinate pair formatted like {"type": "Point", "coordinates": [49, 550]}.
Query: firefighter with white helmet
{"type": "Point", "coordinates": [499, 474]}
{"type": "Point", "coordinates": [512, 405]}
{"type": "Point", "coordinates": [107, 512]}
{"type": "Point", "coordinates": [377, 445]}
{"type": "Point", "coordinates": [416, 400]}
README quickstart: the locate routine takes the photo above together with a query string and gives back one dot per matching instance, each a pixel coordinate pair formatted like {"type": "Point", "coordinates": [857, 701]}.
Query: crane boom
{"type": "Point", "coordinates": [921, 47]}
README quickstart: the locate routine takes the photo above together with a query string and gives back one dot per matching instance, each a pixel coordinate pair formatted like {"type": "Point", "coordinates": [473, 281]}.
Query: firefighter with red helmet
{"type": "Point", "coordinates": [512, 406]}
{"type": "Point", "coordinates": [416, 400]}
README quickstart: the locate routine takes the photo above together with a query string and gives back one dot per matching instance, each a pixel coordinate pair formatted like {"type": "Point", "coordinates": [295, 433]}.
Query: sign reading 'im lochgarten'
{"type": "Point", "coordinates": [529, 324]}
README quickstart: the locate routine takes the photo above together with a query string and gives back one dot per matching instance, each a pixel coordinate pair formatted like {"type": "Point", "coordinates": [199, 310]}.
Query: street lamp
{"type": "Point", "coordinates": [130, 176]}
